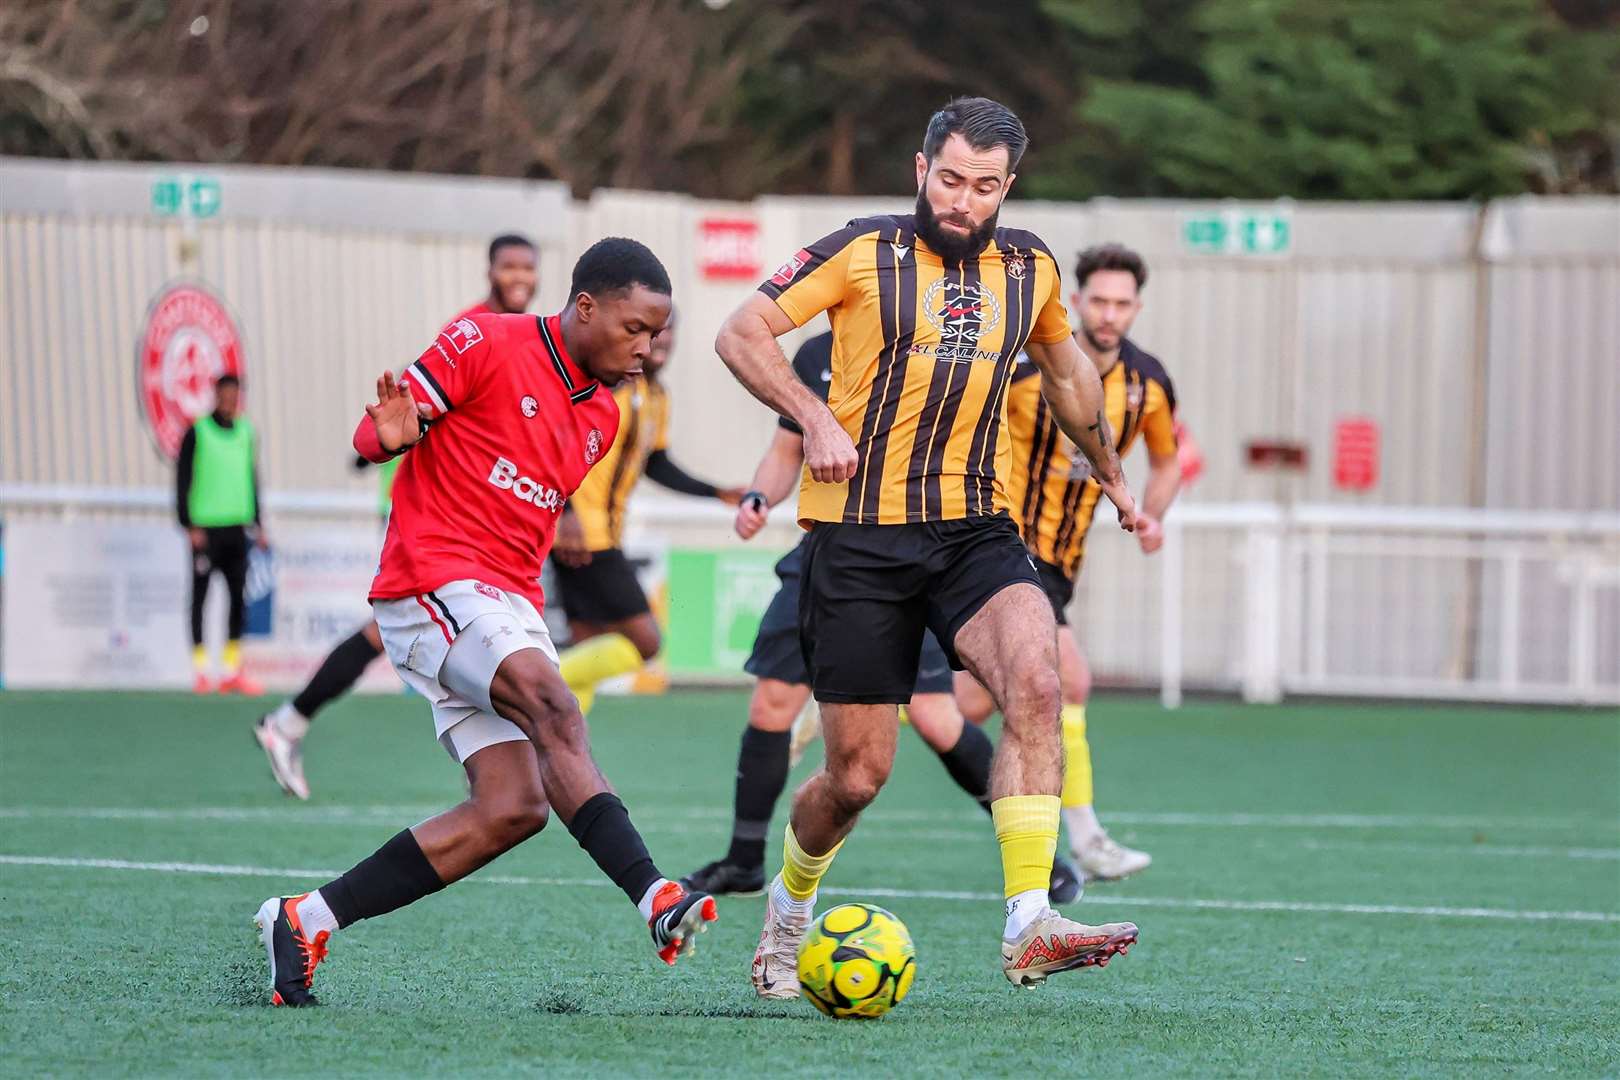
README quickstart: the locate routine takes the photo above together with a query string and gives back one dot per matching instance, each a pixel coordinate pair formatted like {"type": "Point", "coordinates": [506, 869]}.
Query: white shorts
{"type": "Point", "coordinates": [447, 644]}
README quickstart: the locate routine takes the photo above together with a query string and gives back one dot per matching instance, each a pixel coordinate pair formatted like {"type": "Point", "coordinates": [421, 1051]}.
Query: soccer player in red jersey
{"type": "Point", "coordinates": [513, 276]}
{"type": "Point", "coordinates": [502, 417]}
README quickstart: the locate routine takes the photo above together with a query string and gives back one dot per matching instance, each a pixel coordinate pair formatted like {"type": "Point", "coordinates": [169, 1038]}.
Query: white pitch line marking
{"type": "Point", "coordinates": [1188, 904]}
{"type": "Point", "coordinates": [340, 814]}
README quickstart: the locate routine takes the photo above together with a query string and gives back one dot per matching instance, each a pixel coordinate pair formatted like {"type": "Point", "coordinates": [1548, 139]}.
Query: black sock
{"type": "Point", "coordinates": [602, 827]}
{"type": "Point", "coordinates": [762, 772]}
{"type": "Point", "coordinates": [968, 762]}
{"type": "Point", "coordinates": [395, 875]}
{"type": "Point", "coordinates": [340, 670]}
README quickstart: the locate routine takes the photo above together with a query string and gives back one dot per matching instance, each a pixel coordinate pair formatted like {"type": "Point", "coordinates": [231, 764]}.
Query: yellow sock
{"type": "Point", "coordinates": [589, 662]}
{"type": "Point", "coordinates": [1077, 757]}
{"type": "Point", "coordinates": [1027, 830]}
{"type": "Point", "coordinates": [199, 659]}
{"type": "Point", "coordinates": [232, 658]}
{"type": "Point", "coordinates": [801, 871]}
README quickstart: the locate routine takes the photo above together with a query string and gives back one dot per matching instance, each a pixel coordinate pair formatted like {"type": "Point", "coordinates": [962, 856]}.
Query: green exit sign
{"type": "Point", "coordinates": [1239, 232]}
{"type": "Point", "coordinates": [185, 196]}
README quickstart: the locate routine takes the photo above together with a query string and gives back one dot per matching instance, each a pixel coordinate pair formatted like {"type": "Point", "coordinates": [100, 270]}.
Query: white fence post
{"type": "Point", "coordinates": [1171, 605]}
{"type": "Point", "coordinates": [1262, 615]}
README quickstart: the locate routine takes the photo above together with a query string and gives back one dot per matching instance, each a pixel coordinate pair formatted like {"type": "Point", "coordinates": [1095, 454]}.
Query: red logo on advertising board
{"type": "Point", "coordinates": [188, 342]}
{"type": "Point", "coordinates": [728, 248]}
{"type": "Point", "coordinates": [1355, 454]}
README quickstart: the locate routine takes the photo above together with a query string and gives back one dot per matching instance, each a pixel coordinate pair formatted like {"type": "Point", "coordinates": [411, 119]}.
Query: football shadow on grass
{"type": "Point", "coordinates": [562, 1002]}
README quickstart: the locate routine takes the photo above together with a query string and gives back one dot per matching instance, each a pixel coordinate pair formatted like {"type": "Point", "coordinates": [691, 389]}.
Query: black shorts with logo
{"type": "Point", "coordinates": [1059, 588]}
{"type": "Point", "coordinates": [604, 590]}
{"type": "Point", "coordinates": [779, 652]}
{"type": "Point", "coordinates": [871, 591]}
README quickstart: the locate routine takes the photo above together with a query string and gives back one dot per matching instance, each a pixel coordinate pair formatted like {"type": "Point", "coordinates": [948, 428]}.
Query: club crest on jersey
{"type": "Point", "coordinates": [529, 406]}
{"type": "Point", "coordinates": [462, 335]}
{"type": "Point", "coordinates": [593, 446]}
{"type": "Point", "coordinates": [1015, 263]}
{"type": "Point", "coordinates": [962, 312]}
{"type": "Point", "coordinates": [1133, 395]}
{"type": "Point", "coordinates": [785, 272]}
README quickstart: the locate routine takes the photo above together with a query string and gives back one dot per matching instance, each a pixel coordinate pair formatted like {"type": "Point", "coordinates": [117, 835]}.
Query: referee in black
{"type": "Point", "coordinates": [217, 499]}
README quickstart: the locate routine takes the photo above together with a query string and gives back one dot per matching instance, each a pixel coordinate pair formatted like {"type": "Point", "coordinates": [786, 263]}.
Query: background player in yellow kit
{"type": "Point", "coordinates": [1054, 497]}
{"type": "Point", "coordinates": [610, 623]}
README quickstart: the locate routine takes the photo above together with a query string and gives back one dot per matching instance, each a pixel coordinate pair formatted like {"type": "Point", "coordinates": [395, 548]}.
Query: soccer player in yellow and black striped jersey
{"type": "Point", "coordinates": [908, 513]}
{"type": "Point", "coordinates": [610, 622]}
{"type": "Point", "coordinates": [1054, 499]}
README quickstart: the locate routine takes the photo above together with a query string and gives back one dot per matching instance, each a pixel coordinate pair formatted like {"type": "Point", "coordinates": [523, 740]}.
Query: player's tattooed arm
{"type": "Point", "coordinates": [747, 345]}
{"type": "Point", "coordinates": [1074, 393]}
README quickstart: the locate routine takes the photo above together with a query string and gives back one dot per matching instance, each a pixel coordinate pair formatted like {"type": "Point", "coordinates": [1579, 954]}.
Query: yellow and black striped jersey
{"type": "Point", "coordinates": [921, 362]}
{"type": "Point", "coordinates": [1049, 482]}
{"type": "Point", "coordinates": [643, 429]}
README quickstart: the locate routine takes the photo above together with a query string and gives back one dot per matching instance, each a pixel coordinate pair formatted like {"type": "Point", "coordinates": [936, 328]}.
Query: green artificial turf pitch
{"type": "Point", "coordinates": [1345, 890]}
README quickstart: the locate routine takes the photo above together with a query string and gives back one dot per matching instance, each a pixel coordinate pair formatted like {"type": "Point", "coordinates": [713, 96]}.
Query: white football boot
{"type": "Point", "coordinates": [775, 971]}
{"type": "Point", "coordinates": [1101, 859]}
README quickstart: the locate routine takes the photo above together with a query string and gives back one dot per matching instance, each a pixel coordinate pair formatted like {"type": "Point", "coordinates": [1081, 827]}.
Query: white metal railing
{"type": "Point", "coordinates": [1519, 606]}
{"type": "Point", "coordinates": [1481, 604]}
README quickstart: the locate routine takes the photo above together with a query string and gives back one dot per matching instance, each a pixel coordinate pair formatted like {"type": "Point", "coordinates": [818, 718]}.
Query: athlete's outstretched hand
{"type": "Point", "coordinates": [1120, 496]}
{"type": "Point", "coordinates": [830, 452]}
{"type": "Point", "coordinates": [396, 416]}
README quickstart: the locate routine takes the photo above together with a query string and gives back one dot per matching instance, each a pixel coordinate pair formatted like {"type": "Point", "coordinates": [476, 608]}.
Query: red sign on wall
{"type": "Point", "coordinates": [728, 248]}
{"type": "Point", "coordinates": [1355, 454]}
{"type": "Point", "coordinates": [189, 341]}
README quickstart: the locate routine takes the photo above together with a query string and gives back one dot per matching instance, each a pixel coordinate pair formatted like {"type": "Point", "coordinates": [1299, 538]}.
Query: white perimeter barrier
{"type": "Point", "coordinates": [1258, 598]}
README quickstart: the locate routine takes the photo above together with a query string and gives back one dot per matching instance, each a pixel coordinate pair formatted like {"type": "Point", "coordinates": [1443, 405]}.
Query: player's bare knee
{"type": "Point", "coordinates": [855, 784]}
{"type": "Point", "coordinates": [1034, 695]}
{"type": "Point", "coordinates": [646, 638]}
{"type": "Point", "coordinates": [551, 717]}
{"type": "Point", "coordinates": [512, 818]}
{"type": "Point", "coordinates": [774, 705]}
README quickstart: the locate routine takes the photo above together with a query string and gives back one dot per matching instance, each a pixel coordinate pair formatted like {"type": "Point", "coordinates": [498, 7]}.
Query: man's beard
{"type": "Point", "coordinates": [950, 246]}
{"type": "Point", "coordinates": [1095, 344]}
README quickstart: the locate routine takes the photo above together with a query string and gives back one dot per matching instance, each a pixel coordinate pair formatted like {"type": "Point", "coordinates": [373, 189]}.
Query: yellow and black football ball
{"type": "Point", "coordinates": [857, 960]}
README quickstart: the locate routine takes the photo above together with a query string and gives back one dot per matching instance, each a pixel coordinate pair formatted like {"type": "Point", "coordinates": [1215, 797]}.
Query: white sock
{"type": "Point", "coordinates": [289, 721]}
{"type": "Point", "coordinates": [645, 904]}
{"type": "Point", "coordinates": [800, 910]}
{"type": "Point", "coordinates": [315, 916]}
{"type": "Point", "coordinates": [1023, 910]}
{"type": "Point", "coordinates": [1082, 824]}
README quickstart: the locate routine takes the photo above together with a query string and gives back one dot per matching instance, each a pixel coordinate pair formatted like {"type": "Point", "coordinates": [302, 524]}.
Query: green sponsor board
{"type": "Point", "coordinates": [716, 599]}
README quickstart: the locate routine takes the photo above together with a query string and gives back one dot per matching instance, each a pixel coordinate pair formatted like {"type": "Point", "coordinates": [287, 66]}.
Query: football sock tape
{"type": "Point", "coordinates": [338, 673]}
{"type": "Point", "coordinates": [1027, 830]}
{"type": "Point", "coordinates": [762, 772]}
{"type": "Point", "coordinates": [396, 874]}
{"type": "Point", "coordinates": [602, 827]}
{"type": "Point", "coordinates": [1076, 757]}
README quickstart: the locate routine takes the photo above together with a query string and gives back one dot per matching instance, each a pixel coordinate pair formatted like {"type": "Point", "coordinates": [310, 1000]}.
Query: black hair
{"type": "Point", "coordinates": [616, 264]}
{"type": "Point", "coordinates": [227, 379]}
{"type": "Point", "coordinates": [985, 124]}
{"type": "Point", "coordinates": [1110, 257]}
{"type": "Point", "coordinates": [506, 240]}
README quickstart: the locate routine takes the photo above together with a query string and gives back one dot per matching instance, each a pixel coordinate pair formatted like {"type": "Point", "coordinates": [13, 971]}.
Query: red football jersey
{"type": "Point", "coordinates": [514, 427]}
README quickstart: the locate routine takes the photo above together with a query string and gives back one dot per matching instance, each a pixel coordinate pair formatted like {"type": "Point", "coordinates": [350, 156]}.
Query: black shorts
{"type": "Point", "coordinates": [871, 591]}
{"type": "Point", "coordinates": [779, 653]}
{"type": "Point", "coordinates": [1059, 588]}
{"type": "Point", "coordinates": [604, 590]}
